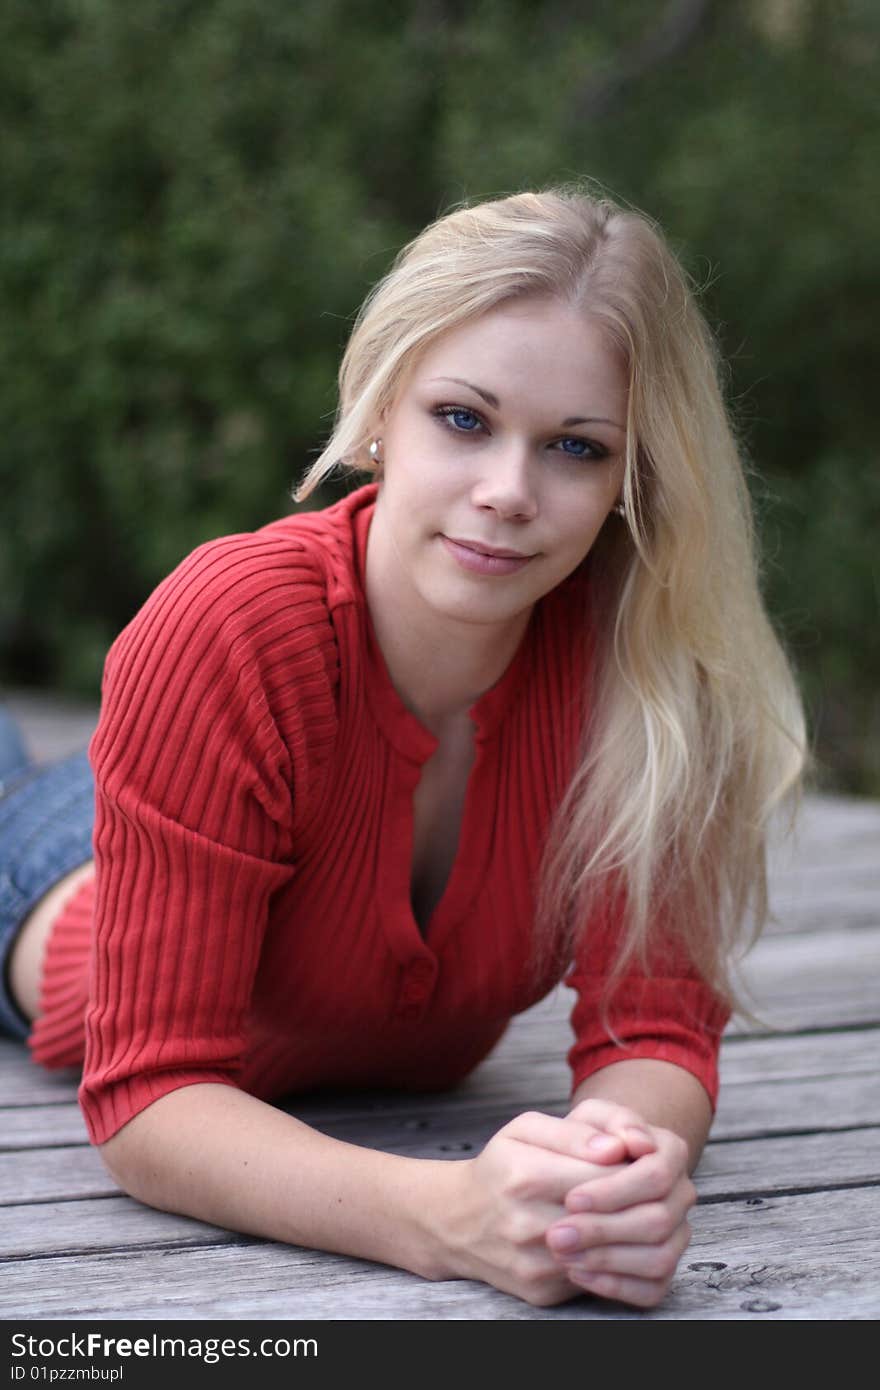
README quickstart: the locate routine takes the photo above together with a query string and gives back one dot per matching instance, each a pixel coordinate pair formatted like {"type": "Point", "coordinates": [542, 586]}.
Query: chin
{"type": "Point", "coordinates": [471, 603]}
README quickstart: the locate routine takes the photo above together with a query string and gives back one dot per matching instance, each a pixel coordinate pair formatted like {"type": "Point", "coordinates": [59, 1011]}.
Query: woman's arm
{"type": "Point", "coordinates": [215, 1153]}
{"type": "Point", "coordinates": [624, 1233]}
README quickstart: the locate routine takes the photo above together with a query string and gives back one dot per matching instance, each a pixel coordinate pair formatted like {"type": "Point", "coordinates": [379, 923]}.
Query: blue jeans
{"type": "Point", "coordinates": [46, 818]}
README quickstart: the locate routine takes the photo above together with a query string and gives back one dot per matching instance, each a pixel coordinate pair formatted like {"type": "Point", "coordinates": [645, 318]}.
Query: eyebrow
{"type": "Point", "coordinates": [493, 401]}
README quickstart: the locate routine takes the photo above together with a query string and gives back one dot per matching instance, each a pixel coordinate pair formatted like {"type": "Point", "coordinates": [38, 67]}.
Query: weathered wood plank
{"type": "Point", "coordinates": [811, 1256]}
{"type": "Point", "coordinates": [793, 1057]}
{"type": "Point", "coordinates": [777, 1164]}
{"type": "Point", "coordinates": [766, 1089]}
{"type": "Point", "coordinates": [782, 1107]}
{"type": "Point", "coordinates": [22, 1082]}
{"type": "Point", "coordinates": [769, 1084]}
{"type": "Point", "coordinates": [859, 875]}
{"type": "Point", "coordinates": [814, 1255]}
{"type": "Point", "coordinates": [41, 1126]}
{"type": "Point", "coordinates": [744, 1262]}
{"type": "Point", "coordinates": [838, 901]}
{"type": "Point", "coordinates": [824, 980]}
{"type": "Point", "coordinates": [745, 1109]}
{"type": "Point", "coordinates": [819, 980]}
{"type": "Point", "coordinates": [813, 1081]}
{"type": "Point", "coordinates": [542, 1036]}
{"type": "Point", "coordinates": [828, 827]}
{"type": "Point", "coordinates": [110, 1223]}
{"type": "Point", "coordinates": [522, 1073]}
{"type": "Point", "coordinates": [790, 1163]}
{"type": "Point", "coordinates": [50, 1175]}
{"type": "Point", "coordinates": [52, 725]}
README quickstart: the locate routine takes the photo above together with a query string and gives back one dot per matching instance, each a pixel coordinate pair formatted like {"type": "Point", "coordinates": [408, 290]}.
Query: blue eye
{"type": "Point", "coordinates": [459, 418]}
{"type": "Point", "coordinates": [582, 449]}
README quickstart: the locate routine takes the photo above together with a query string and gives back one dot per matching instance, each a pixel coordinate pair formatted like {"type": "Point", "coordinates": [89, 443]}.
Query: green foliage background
{"type": "Point", "coordinates": [196, 195]}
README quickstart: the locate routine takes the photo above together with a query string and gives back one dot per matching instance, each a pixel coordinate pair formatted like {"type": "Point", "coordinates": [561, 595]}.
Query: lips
{"type": "Point", "coordinates": [483, 549]}
{"type": "Point", "coordinates": [479, 558]}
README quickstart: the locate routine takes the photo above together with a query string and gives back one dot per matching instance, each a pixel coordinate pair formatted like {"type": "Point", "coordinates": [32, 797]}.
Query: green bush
{"type": "Point", "coordinates": [196, 196]}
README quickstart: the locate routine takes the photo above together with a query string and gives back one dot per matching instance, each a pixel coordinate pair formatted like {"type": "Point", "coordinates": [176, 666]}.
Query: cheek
{"type": "Point", "coordinates": [579, 525]}
{"type": "Point", "coordinates": [414, 459]}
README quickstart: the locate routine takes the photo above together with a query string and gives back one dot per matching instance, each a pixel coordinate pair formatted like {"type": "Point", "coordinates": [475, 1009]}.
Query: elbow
{"type": "Point", "coordinates": [119, 1159]}
{"type": "Point", "coordinates": [132, 1158]}
{"type": "Point", "coordinates": [149, 1156]}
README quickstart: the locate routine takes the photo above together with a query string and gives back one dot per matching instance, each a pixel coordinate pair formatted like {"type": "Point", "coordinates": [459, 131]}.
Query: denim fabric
{"type": "Point", "coordinates": [46, 818]}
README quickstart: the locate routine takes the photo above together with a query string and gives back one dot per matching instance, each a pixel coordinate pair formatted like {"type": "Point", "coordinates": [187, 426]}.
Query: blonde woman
{"type": "Point", "coordinates": [370, 780]}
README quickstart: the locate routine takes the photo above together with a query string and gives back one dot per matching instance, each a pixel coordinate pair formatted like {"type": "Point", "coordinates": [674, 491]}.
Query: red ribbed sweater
{"type": "Point", "coordinates": [250, 921]}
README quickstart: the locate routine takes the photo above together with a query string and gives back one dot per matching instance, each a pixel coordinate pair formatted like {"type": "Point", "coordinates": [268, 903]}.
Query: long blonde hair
{"type": "Point", "coordinates": [695, 731]}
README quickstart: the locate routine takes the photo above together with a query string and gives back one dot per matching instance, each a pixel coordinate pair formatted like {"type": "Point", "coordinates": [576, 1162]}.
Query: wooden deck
{"type": "Point", "coordinates": [788, 1224]}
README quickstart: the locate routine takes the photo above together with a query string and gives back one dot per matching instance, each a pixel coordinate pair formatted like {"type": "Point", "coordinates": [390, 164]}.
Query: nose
{"type": "Point", "coordinates": [506, 483]}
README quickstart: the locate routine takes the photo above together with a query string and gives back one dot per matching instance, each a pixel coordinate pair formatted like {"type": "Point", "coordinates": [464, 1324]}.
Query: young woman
{"type": "Point", "coordinates": [370, 780]}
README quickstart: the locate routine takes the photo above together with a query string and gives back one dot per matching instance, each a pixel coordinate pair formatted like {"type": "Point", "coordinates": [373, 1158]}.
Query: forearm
{"type": "Point", "coordinates": [220, 1155]}
{"type": "Point", "coordinates": [662, 1093]}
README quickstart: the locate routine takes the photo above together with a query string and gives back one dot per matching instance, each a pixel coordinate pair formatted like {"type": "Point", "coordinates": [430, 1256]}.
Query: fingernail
{"type": "Point", "coordinates": [579, 1201]}
{"type": "Point", "coordinates": [602, 1143]}
{"type": "Point", "coordinates": [563, 1238]}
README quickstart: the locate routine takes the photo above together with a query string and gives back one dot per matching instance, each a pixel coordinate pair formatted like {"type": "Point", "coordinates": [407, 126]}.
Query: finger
{"type": "Point", "coordinates": [617, 1119]}
{"type": "Point", "coordinates": [647, 1179]}
{"type": "Point", "coordinates": [641, 1293]}
{"type": "Point", "coordinates": [639, 1261]}
{"type": "Point", "coordinates": [607, 1148]}
{"type": "Point", "coordinates": [564, 1136]}
{"type": "Point", "coordinates": [637, 1141]}
{"type": "Point", "coordinates": [570, 1236]}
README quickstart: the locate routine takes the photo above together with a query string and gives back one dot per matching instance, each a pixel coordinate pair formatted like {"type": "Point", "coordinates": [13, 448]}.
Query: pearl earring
{"type": "Point", "coordinates": [619, 509]}
{"type": "Point", "coordinates": [375, 451]}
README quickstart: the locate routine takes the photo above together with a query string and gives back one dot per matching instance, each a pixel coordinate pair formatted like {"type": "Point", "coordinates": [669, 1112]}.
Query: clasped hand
{"type": "Point", "coordinates": [597, 1201]}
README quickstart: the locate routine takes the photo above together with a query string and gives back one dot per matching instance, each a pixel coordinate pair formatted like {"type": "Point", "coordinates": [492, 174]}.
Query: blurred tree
{"type": "Point", "coordinates": [195, 197]}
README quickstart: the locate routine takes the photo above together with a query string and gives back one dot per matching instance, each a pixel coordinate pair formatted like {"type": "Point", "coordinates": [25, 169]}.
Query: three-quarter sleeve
{"type": "Point", "coordinates": [661, 1009]}
{"type": "Point", "coordinates": [200, 758]}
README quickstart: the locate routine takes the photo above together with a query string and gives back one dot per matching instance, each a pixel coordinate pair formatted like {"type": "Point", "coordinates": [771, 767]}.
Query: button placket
{"type": "Point", "coordinates": [416, 989]}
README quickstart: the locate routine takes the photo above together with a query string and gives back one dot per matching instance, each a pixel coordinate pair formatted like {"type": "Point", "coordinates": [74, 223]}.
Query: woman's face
{"type": "Point", "coordinates": [508, 436]}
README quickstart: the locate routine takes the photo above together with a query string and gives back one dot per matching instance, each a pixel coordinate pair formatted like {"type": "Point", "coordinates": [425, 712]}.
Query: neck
{"type": "Point", "coordinates": [439, 680]}
{"type": "Point", "coordinates": [439, 665]}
